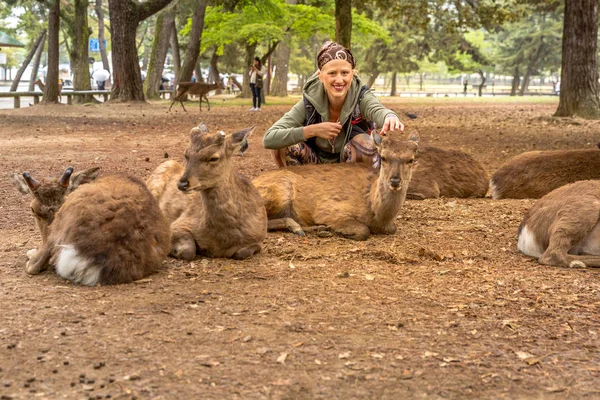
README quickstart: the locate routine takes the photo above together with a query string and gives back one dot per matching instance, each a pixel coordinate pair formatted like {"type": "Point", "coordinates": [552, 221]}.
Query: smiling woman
{"type": "Point", "coordinates": [335, 119]}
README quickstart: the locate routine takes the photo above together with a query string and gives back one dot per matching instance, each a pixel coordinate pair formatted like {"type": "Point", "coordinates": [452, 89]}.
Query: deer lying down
{"type": "Point", "coordinates": [536, 173]}
{"type": "Point", "coordinates": [446, 173]}
{"type": "Point", "coordinates": [213, 210]}
{"type": "Point", "coordinates": [351, 199]}
{"type": "Point", "coordinates": [109, 231]}
{"type": "Point", "coordinates": [563, 227]}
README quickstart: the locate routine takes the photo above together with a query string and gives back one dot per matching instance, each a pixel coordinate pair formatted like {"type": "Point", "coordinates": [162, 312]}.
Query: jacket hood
{"type": "Point", "coordinates": [314, 91]}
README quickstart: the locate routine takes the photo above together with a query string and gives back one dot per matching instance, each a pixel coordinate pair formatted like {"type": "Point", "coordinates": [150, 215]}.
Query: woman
{"type": "Point", "coordinates": [256, 74]}
{"type": "Point", "coordinates": [335, 119]}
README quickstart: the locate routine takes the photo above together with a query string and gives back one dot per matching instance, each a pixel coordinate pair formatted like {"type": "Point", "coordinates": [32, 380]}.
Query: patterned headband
{"type": "Point", "coordinates": [334, 51]}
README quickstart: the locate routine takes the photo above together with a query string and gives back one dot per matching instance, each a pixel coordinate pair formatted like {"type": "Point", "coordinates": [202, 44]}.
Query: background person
{"type": "Point", "coordinates": [256, 79]}
{"type": "Point", "coordinates": [335, 119]}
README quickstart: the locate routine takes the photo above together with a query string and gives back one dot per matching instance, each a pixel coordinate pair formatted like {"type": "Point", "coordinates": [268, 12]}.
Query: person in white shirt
{"type": "Point", "coordinates": [256, 82]}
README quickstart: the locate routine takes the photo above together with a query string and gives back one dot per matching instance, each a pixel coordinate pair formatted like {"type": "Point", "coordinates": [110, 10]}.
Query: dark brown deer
{"type": "Point", "coordinates": [43, 88]}
{"type": "Point", "coordinates": [446, 173]}
{"type": "Point", "coordinates": [537, 173]}
{"type": "Point", "coordinates": [563, 227]}
{"type": "Point", "coordinates": [104, 232]}
{"type": "Point", "coordinates": [351, 199]}
{"type": "Point", "coordinates": [214, 211]}
{"type": "Point", "coordinates": [196, 88]}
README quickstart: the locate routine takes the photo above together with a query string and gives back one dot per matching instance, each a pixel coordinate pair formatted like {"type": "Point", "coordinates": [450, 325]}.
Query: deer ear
{"type": "Point", "coordinates": [238, 137]}
{"type": "Point", "coordinates": [377, 140]}
{"type": "Point", "coordinates": [83, 177]}
{"type": "Point", "coordinates": [203, 128]}
{"type": "Point", "coordinates": [414, 137]}
{"type": "Point", "coordinates": [20, 183]}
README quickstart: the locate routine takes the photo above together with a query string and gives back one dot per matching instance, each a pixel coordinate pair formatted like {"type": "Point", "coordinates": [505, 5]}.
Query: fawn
{"type": "Point", "coordinates": [214, 211]}
{"type": "Point", "coordinates": [563, 227]}
{"type": "Point", "coordinates": [196, 88]}
{"type": "Point", "coordinates": [536, 173]}
{"type": "Point", "coordinates": [351, 199]}
{"type": "Point", "coordinates": [446, 173]}
{"type": "Point", "coordinates": [107, 231]}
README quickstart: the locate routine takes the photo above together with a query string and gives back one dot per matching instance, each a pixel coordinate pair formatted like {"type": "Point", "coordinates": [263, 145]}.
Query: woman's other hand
{"type": "Point", "coordinates": [325, 130]}
{"type": "Point", "coordinates": [391, 124]}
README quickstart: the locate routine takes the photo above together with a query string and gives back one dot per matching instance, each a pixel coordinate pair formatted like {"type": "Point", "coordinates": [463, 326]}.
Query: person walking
{"type": "Point", "coordinates": [256, 82]}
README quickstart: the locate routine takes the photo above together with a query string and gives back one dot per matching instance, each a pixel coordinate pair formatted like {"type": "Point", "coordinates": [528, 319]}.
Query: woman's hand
{"type": "Point", "coordinates": [391, 124]}
{"type": "Point", "coordinates": [325, 130]}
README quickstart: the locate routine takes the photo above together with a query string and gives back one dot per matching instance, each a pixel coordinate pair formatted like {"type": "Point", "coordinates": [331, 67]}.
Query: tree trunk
{"type": "Point", "coordinates": [79, 52]}
{"type": "Point", "coordinates": [198, 69]}
{"type": "Point", "coordinates": [393, 91]}
{"type": "Point", "coordinates": [193, 48]}
{"type": "Point", "coordinates": [372, 79]}
{"type": "Point", "coordinates": [160, 47]}
{"type": "Point", "coordinates": [421, 80]}
{"type": "Point", "coordinates": [36, 63]}
{"type": "Point", "coordinates": [482, 84]}
{"type": "Point", "coordinates": [51, 90]}
{"type": "Point", "coordinates": [214, 75]}
{"type": "Point", "coordinates": [579, 75]}
{"type": "Point", "coordinates": [515, 82]}
{"type": "Point", "coordinates": [282, 60]}
{"type": "Point", "coordinates": [530, 67]}
{"type": "Point", "coordinates": [125, 16]}
{"type": "Point", "coordinates": [343, 22]}
{"type": "Point", "coordinates": [175, 52]}
{"type": "Point", "coordinates": [34, 47]}
{"type": "Point", "coordinates": [250, 49]}
{"type": "Point", "coordinates": [100, 14]}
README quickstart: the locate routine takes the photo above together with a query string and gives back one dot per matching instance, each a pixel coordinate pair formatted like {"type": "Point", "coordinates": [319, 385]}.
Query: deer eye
{"type": "Point", "coordinates": [384, 159]}
{"type": "Point", "coordinates": [412, 161]}
{"type": "Point", "coordinates": [214, 159]}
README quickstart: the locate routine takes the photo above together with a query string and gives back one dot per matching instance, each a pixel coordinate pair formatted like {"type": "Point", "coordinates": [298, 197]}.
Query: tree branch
{"type": "Point", "coordinates": [150, 8]}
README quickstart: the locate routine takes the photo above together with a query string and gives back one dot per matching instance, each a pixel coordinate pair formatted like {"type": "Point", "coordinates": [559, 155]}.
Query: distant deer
{"type": "Point", "coordinates": [446, 173]}
{"type": "Point", "coordinates": [196, 88]}
{"type": "Point", "coordinates": [563, 227]}
{"type": "Point", "coordinates": [109, 231]}
{"type": "Point", "coordinates": [214, 211]}
{"type": "Point", "coordinates": [43, 88]}
{"type": "Point", "coordinates": [536, 173]}
{"type": "Point", "coordinates": [351, 198]}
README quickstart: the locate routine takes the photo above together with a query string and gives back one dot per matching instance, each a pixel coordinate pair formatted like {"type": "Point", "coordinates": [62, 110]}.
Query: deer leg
{"type": "Point", "coordinates": [282, 224]}
{"type": "Point", "coordinates": [207, 102]}
{"type": "Point", "coordinates": [172, 102]}
{"type": "Point", "coordinates": [566, 233]}
{"type": "Point", "coordinates": [39, 260]}
{"type": "Point", "coordinates": [246, 252]}
{"type": "Point", "coordinates": [182, 105]}
{"type": "Point", "coordinates": [352, 229]}
{"type": "Point", "coordinates": [183, 245]}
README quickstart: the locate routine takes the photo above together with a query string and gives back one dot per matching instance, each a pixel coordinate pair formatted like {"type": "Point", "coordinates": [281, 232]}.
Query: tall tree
{"type": "Point", "coordinates": [100, 14]}
{"type": "Point", "coordinates": [75, 17]}
{"type": "Point", "coordinates": [343, 22]}
{"type": "Point", "coordinates": [579, 75]}
{"type": "Point", "coordinates": [51, 89]}
{"type": "Point", "coordinates": [162, 34]}
{"type": "Point", "coordinates": [35, 45]}
{"type": "Point", "coordinates": [193, 47]}
{"type": "Point", "coordinates": [36, 64]}
{"type": "Point", "coordinates": [125, 16]}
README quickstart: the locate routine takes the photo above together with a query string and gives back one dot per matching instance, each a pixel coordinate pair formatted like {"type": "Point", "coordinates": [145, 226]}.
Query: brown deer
{"type": "Point", "coordinates": [446, 173]}
{"type": "Point", "coordinates": [351, 199]}
{"type": "Point", "coordinates": [563, 227]}
{"type": "Point", "coordinates": [108, 231]}
{"type": "Point", "coordinates": [43, 88]}
{"type": "Point", "coordinates": [536, 173]}
{"type": "Point", "coordinates": [196, 88]}
{"type": "Point", "coordinates": [214, 211]}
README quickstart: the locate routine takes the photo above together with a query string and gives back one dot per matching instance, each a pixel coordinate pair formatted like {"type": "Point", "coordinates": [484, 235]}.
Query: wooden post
{"type": "Point", "coordinates": [17, 102]}
{"type": "Point", "coordinates": [36, 99]}
{"type": "Point", "coordinates": [69, 99]}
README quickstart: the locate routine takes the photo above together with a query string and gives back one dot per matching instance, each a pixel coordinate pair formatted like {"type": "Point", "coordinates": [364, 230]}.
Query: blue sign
{"type": "Point", "coordinates": [95, 45]}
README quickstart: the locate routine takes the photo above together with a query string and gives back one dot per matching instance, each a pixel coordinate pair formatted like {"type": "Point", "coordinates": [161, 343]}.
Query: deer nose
{"type": "Point", "coordinates": [183, 185]}
{"type": "Point", "coordinates": [395, 182]}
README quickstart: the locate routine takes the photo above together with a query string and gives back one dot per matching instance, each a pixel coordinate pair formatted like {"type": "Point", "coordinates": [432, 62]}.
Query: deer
{"type": "Point", "coordinates": [95, 231]}
{"type": "Point", "coordinates": [213, 210]}
{"type": "Point", "coordinates": [351, 199]}
{"type": "Point", "coordinates": [563, 227]}
{"type": "Point", "coordinates": [446, 173]}
{"type": "Point", "coordinates": [536, 173]}
{"type": "Point", "coordinates": [196, 88]}
{"type": "Point", "coordinates": [43, 88]}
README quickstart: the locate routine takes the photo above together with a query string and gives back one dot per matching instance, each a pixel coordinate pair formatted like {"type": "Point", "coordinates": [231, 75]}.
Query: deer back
{"type": "Point", "coordinates": [447, 173]}
{"type": "Point", "coordinates": [162, 183]}
{"type": "Point", "coordinates": [116, 225]}
{"type": "Point", "coordinates": [536, 173]}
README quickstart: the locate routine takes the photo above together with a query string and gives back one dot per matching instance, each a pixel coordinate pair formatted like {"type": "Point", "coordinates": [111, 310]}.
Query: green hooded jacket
{"type": "Point", "coordinates": [289, 129]}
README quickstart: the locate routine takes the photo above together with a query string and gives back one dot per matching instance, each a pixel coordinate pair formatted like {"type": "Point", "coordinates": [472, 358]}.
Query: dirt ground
{"type": "Point", "coordinates": [445, 308]}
